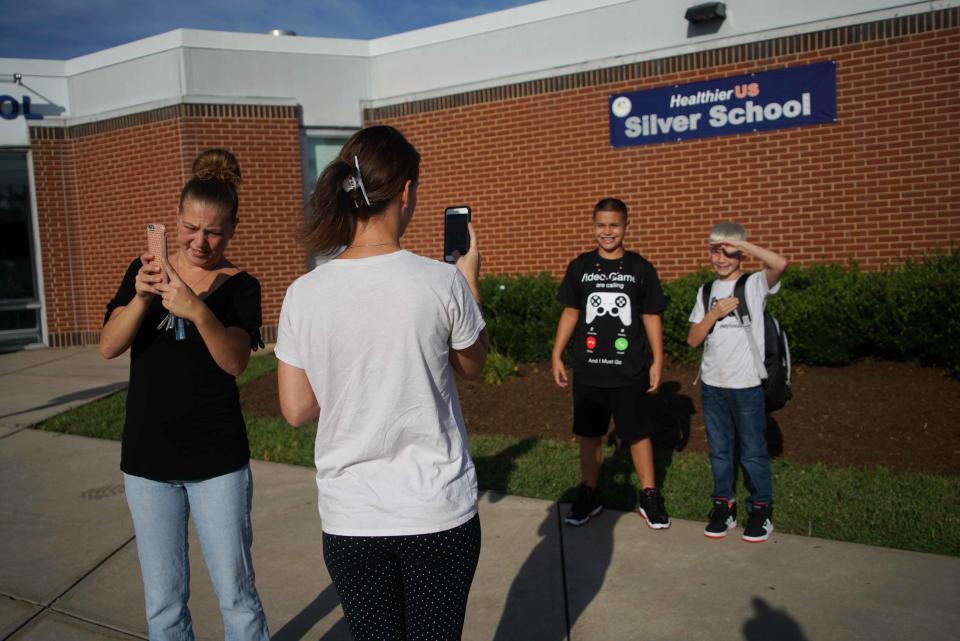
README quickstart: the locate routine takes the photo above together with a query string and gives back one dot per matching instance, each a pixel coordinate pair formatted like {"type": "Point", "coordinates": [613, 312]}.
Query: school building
{"type": "Point", "coordinates": [830, 128]}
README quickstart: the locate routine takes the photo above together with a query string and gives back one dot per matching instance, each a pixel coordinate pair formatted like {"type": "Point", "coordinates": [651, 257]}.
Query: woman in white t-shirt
{"type": "Point", "coordinates": [368, 343]}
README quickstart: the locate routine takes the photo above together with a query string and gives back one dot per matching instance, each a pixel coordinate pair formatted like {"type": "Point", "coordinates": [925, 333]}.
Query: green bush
{"type": "Point", "coordinates": [914, 311]}
{"type": "Point", "coordinates": [498, 368]}
{"type": "Point", "coordinates": [680, 294]}
{"type": "Point", "coordinates": [817, 306]}
{"type": "Point", "coordinates": [832, 314]}
{"type": "Point", "coordinates": [911, 311]}
{"type": "Point", "coordinates": [521, 314]}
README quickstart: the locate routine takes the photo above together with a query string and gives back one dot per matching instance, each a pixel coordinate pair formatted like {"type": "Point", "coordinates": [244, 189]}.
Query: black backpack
{"type": "Point", "coordinates": [775, 372]}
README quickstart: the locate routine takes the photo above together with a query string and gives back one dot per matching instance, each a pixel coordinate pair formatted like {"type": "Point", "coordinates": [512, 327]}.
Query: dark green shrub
{"type": "Point", "coordinates": [818, 308]}
{"type": "Point", "coordinates": [832, 314]}
{"type": "Point", "coordinates": [521, 314]}
{"type": "Point", "coordinates": [914, 311]}
{"type": "Point", "coordinates": [681, 293]}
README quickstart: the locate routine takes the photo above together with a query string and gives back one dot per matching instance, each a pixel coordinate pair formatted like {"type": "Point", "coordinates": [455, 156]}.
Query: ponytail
{"type": "Point", "coordinates": [371, 169]}
{"type": "Point", "coordinates": [335, 227]}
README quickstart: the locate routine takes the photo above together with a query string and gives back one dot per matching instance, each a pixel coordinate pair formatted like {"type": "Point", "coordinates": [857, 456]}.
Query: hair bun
{"type": "Point", "coordinates": [218, 164]}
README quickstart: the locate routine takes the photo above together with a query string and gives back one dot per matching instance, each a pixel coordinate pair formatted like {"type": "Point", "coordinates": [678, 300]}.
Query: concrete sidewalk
{"type": "Point", "coordinates": [68, 566]}
{"type": "Point", "coordinates": [36, 384]}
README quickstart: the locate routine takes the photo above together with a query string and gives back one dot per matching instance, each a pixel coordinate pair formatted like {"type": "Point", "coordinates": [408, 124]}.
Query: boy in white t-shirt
{"type": "Point", "coordinates": [730, 383]}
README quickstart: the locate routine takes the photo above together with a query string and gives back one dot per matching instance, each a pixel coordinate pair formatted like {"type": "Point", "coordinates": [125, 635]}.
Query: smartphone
{"type": "Point", "coordinates": [157, 240]}
{"type": "Point", "coordinates": [456, 238]}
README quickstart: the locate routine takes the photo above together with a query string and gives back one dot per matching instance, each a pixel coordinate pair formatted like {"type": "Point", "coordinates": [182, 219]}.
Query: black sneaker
{"type": "Point", "coordinates": [652, 509]}
{"type": "Point", "coordinates": [722, 517]}
{"type": "Point", "coordinates": [586, 506]}
{"type": "Point", "coordinates": [759, 525]}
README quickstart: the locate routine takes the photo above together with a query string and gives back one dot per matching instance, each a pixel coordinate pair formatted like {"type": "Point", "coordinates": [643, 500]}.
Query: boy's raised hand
{"type": "Point", "coordinates": [733, 247]}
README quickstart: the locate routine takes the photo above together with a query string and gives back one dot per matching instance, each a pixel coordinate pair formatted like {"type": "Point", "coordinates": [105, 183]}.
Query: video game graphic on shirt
{"type": "Point", "coordinates": [609, 303]}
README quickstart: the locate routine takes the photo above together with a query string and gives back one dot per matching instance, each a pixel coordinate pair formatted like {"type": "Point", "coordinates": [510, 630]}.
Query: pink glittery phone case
{"type": "Point", "coordinates": [157, 240]}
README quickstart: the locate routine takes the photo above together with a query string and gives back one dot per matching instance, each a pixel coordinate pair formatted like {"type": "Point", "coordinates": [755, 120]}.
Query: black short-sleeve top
{"type": "Point", "coordinates": [183, 417]}
{"type": "Point", "coordinates": [610, 346]}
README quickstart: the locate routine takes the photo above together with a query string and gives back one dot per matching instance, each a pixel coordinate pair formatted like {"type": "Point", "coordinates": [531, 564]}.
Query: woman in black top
{"type": "Point", "coordinates": [184, 440]}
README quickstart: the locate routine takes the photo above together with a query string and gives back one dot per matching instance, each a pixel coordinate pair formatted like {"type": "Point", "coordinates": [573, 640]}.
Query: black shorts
{"type": "Point", "coordinates": [631, 407]}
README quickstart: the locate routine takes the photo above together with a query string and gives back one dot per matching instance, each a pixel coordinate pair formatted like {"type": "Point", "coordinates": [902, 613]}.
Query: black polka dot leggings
{"type": "Point", "coordinates": [407, 588]}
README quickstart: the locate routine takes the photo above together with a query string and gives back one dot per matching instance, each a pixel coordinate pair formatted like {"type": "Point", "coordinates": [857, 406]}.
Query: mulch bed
{"type": "Point", "coordinates": [898, 415]}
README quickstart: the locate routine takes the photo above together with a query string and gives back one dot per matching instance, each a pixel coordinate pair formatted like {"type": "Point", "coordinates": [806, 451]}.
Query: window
{"type": "Point", "coordinates": [320, 151]}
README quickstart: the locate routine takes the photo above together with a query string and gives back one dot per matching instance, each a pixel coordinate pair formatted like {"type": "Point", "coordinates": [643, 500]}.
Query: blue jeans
{"type": "Point", "coordinates": [732, 414]}
{"type": "Point", "coordinates": [221, 512]}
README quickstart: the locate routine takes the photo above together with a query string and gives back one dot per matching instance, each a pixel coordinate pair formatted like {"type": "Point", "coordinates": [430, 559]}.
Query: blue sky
{"type": "Point", "coordinates": [60, 29]}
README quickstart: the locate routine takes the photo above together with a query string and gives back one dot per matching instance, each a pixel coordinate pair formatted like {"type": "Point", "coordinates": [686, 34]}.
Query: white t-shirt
{"type": "Point", "coordinates": [373, 336]}
{"type": "Point", "coordinates": [727, 359]}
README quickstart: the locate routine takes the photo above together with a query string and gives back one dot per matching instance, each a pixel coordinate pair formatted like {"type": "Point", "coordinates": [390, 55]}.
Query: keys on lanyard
{"type": "Point", "coordinates": [177, 324]}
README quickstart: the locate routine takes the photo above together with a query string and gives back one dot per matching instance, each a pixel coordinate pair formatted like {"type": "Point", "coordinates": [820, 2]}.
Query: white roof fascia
{"type": "Point", "coordinates": [503, 19]}
{"type": "Point", "coordinates": [35, 67]}
{"type": "Point", "coordinates": [549, 9]}
{"type": "Point", "coordinates": [220, 40]}
{"type": "Point", "coordinates": [702, 43]}
{"type": "Point", "coordinates": [223, 40]}
{"type": "Point", "coordinates": [125, 52]}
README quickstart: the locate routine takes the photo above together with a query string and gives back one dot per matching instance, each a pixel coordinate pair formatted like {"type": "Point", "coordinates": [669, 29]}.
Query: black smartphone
{"type": "Point", "coordinates": [456, 238]}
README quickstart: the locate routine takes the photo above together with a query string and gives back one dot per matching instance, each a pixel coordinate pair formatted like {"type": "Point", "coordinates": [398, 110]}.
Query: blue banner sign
{"type": "Point", "coordinates": [755, 102]}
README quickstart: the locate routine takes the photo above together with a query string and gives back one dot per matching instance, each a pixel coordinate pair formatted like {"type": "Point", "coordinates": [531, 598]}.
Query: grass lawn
{"type": "Point", "coordinates": [876, 506]}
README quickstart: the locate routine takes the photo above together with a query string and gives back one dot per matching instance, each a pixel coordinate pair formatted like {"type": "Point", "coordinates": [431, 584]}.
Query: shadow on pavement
{"type": "Point", "coordinates": [671, 434]}
{"type": "Point", "coordinates": [515, 623]}
{"type": "Point", "coordinates": [82, 395]}
{"type": "Point", "coordinates": [298, 627]}
{"type": "Point", "coordinates": [768, 624]}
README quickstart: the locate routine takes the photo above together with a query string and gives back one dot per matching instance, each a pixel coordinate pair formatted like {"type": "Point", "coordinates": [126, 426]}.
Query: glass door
{"type": "Point", "coordinates": [19, 292]}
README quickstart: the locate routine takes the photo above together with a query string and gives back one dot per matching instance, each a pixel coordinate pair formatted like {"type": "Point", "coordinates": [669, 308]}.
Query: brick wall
{"type": "Point", "coordinates": [98, 185]}
{"type": "Point", "coordinates": [56, 214]}
{"type": "Point", "coordinates": [533, 158]}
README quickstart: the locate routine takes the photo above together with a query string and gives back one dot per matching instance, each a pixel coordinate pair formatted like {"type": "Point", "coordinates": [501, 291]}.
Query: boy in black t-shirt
{"type": "Point", "coordinates": [612, 304]}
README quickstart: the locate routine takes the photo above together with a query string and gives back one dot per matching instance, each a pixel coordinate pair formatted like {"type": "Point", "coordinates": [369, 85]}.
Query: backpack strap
{"type": "Point", "coordinates": [705, 297]}
{"type": "Point", "coordinates": [740, 291]}
{"type": "Point", "coordinates": [707, 287]}
{"type": "Point", "coordinates": [743, 312]}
